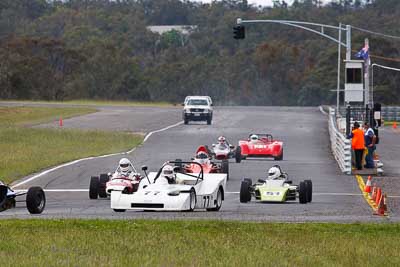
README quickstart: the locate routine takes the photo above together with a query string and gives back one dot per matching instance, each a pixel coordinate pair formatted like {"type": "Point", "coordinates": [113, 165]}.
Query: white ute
{"type": "Point", "coordinates": [197, 108]}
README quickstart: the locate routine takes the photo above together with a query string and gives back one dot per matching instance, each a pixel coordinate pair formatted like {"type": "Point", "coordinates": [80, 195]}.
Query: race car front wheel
{"type": "Point", "coordinates": [94, 187]}
{"type": "Point", "coordinates": [303, 192]}
{"type": "Point", "coordinates": [245, 195]}
{"type": "Point", "coordinates": [309, 190]}
{"type": "Point", "coordinates": [238, 154]}
{"type": "Point", "coordinates": [35, 200]}
{"type": "Point", "coordinates": [225, 168]}
{"type": "Point", "coordinates": [102, 185]}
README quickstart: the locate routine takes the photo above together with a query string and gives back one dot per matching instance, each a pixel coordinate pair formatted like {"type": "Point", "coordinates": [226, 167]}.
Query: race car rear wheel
{"type": "Point", "coordinates": [192, 200]}
{"type": "Point", "coordinates": [218, 203]}
{"type": "Point", "coordinates": [94, 187]}
{"type": "Point", "coordinates": [35, 200]}
{"type": "Point", "coordinates": [280, 157]}
{"type": "Point", "coordinates": [245, 195]}
{"type": "Point", "coordinates": [302, 192]}
{"type": "Point", "coordinates": [238, 154]}
{"type": "Point", "coordinates": [225, 168]}
{"type": "Point", "coordinates": [309, 190]}
{"type": "Point", "coordinates": [102, 185]}
{"type": "Point", "coordinates": [119, 210]}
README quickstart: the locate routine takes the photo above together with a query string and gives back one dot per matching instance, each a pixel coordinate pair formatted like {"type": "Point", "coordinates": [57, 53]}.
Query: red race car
{"type": "Point", "coordinates": [260, 146]}
{"type": "Point", "coordinates": [204, 159]}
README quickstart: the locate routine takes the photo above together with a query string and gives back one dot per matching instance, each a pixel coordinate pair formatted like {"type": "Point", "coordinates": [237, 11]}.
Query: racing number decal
{"type": "Point", "coordinates": [260, 146]}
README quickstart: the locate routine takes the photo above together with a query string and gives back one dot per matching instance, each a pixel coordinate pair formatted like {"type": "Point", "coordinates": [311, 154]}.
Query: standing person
{"type": "Point", "coordinates": [357, 144]}
{"type": "Point", "coordinates": [370, 140]}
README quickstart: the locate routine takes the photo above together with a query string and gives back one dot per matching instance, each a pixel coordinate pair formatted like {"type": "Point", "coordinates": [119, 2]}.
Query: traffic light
{"type": "Point", "coordinates": [238, 32]}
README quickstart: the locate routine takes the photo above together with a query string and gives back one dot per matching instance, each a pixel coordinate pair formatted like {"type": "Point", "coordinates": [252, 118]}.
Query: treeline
{"type": "Point", "coordinates": [102, 49]}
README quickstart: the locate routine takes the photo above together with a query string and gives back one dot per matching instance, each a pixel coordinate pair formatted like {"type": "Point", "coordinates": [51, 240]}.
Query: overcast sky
{"type": "Point", "coordinates": [258, 2]}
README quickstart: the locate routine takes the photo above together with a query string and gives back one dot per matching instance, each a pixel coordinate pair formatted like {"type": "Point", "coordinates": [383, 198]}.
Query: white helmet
{"type": "Point", "coordinates": [254, 137]}
{"type": "Point", "coordinates": [124, 165]}
{"type": "Point", "coordinates": [202, 157]}
{"type": "Point", "coordinates": [221, 139]}
{"type": "Point", "coordinates": [168, 172]}
{"type": "Point", "coordinates": [274, 173]}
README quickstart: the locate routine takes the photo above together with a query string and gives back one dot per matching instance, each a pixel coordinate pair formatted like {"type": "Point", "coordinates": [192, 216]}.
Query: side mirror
{"type": "Point", "coordinates": [231, 146]}
{"type": "Point", "coordinates": [213, 145]}
{"type": "Point", "coordinates": [109, 174]}
{"type": "Point", "coordinates": [191, 158]}
{"type": "Point", "coordinates": [144, 168]}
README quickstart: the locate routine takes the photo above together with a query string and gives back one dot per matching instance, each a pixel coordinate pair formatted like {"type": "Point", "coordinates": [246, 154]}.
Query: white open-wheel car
{"type": "Point", "coordinates": [191, 191]}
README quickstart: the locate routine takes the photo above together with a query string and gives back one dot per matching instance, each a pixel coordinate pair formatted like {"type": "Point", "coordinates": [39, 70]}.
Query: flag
{"type": "Point", "coordinates": [363, 53]}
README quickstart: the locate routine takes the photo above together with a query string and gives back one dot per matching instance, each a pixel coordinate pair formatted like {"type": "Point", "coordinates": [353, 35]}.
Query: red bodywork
{"type": "Point", "coordinates": [130, 185]}
{"type": "Point", "coordinates": [210, 167]}
{"type": "Point", "coordinates": [265, 147]}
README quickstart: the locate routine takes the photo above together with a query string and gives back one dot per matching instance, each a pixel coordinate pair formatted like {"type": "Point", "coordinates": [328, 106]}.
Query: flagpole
{"type": "Point", "coordinates": [338, 69]}
{"type": "Point", "coordinates": [366, 69]}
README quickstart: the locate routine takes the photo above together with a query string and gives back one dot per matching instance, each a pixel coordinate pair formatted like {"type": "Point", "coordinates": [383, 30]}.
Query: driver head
{"type": "Point", "coordinates": [253, 137]}
{"type": "Point", "coordinates": [168, 172]}
{"type": "Point", "coordinates": [202, 157]}
{"type": "Point", "coordinates": [124, 165]}
{"type": "Point", "coordinates": [274, 173]}
{"type": "Point", "coordinates": [221, 140]}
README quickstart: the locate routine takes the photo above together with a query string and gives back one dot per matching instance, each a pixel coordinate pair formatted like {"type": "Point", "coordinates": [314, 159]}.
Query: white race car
{"type": "Point", "coordinates": [192, 191]}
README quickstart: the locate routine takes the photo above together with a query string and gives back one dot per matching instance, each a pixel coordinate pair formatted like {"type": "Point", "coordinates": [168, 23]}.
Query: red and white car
{"type": "Point", "coordinates": [102, 186]}
{"type": "Point", "coordinates": [203, 158]}
{"type": "Point", "coordinates": [260, 146]}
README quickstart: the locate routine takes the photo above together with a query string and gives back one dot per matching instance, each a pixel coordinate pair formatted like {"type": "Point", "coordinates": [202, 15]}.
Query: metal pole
{"type": "Point", "coordinates": [372, 85]}
{"type": "Point", "coordinates": [366, 77]}
{"type": "Point", "coordinates": [338, 69]}
{"type": "Point", "coordinates": [348, 42]}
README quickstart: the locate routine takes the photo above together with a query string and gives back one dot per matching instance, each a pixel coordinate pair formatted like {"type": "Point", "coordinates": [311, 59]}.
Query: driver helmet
{"type": "Point", "coordinates": [124, 165]}
{"type": "Point", "coordinates": [202, 157]}
{"type": "Point", "coordinates": [254, 137]}
{"type": "Point", "coordinates": [274, 173]}
{"type": "Point", "coordinates": [221, 140]}
{"type": "Point", "coordinates": [168, 172]}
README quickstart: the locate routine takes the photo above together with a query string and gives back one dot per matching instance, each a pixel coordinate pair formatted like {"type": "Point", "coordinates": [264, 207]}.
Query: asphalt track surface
{"type": "Point", "coordinates": [306, 156]}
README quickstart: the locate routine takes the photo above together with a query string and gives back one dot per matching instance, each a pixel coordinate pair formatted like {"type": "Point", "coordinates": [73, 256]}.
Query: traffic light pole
{"type": "Point", "coordinates": [307, 26]}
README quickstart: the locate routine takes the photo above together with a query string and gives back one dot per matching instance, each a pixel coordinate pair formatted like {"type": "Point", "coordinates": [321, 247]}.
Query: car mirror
{"type": "Point", "coordinates": [109, 174]}
{"type": "Point", "coordinates": [213, 145]}
{"type": "Point", "coordinates": [144, 168]}
{"type": "Point", "coordinates": [191, 158]}
{"type": "Point", "coordinates": [231, 146]}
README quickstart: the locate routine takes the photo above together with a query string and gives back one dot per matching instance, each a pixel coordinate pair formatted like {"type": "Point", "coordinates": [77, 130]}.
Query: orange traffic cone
{"type": "Point", "coordinates": [381, 206]}
{"type": "Point", "coordinates": [60, 122]}
{"type": "Point", "coordinates": [378, 195]}
{"type": "Point", "coordinates": [373, 193]}
{"type": "Point", "coordinates": [367, 188]}
{"type": "Point", "coordinates": [394, 125]}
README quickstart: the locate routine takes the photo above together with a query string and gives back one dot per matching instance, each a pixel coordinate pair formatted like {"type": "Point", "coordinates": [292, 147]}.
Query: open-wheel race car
{"type": "Point", "coordinates": [170, 189]}
{"type": "Point", "coordinates": [202, 161]}
{"type": "Point", "coordinates": [125, 177]}
{"type": "Point", "coordinates": [260, 146]}
{"type": "Point", "coordinates": [276, 188]}
{"type": "Point", "coordinates": [223, 150]}
{"type": "Point", "coordinates": [35, 198]}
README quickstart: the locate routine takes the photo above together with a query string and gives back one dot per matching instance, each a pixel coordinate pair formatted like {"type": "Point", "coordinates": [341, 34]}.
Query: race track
{"type": "Point", "coordinates": [306, 156]}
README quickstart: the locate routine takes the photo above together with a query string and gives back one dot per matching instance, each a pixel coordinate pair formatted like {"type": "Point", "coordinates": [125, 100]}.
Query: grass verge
{"type": "Point", "coordinates": [196, 243]}
{"type": "Point", "coordinates": [90, 102]}
{"type": "Point", "coordinates": [26, 150]}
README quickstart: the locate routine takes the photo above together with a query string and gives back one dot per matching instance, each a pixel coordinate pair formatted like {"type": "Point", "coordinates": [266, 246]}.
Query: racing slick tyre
{"type": "Point", "coordinates": [192, 200]}
{"type": "Point", "coordinates": [218, 203]}
{"type": "Point", "coordinates": [303, 192]}
{"type": "Point", "coordinates": [280, 157]}
{"type": "Point", "coordinates": [238, 154]}
{"type": "Point", "coordinates": [94, 187]}
{"type": "Point", "coordinates": [119, 210]}
{"type": "Point", "coordinates": [225, 168]}
{"type": "Point", "coordinates": [245, 195]}
{"type": "Point", "coordinates": [35, 200]}
{"type": "Point", "coordinates": [102, 185]}
{"type": "Point", "coordinates": [309, 190]}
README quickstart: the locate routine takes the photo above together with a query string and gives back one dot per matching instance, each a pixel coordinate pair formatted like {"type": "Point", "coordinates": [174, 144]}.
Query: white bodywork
{"type": "Point", "coordinates": [163, 196]}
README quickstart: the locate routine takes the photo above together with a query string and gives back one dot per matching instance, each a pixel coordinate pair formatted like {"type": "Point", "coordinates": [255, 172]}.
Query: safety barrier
{"type": "Point", "coordinates": [340, 145]}
{"type": "Point", "coordinates": [390, 113]}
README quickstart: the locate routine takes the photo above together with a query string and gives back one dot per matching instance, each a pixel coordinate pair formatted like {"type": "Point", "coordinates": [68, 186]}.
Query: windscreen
{"type": "Point", "coordinates": [198, 102]}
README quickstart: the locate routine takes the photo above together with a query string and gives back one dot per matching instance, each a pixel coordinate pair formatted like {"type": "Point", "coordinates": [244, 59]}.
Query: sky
{"type": "Point", "coordinates": [257, 2]}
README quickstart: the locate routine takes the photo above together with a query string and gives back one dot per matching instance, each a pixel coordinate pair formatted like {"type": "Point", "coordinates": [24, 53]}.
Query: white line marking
{"type": "Point", "coordinates": [317, 194]}
{"type": "Point", "coordinates": [89, 158]}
